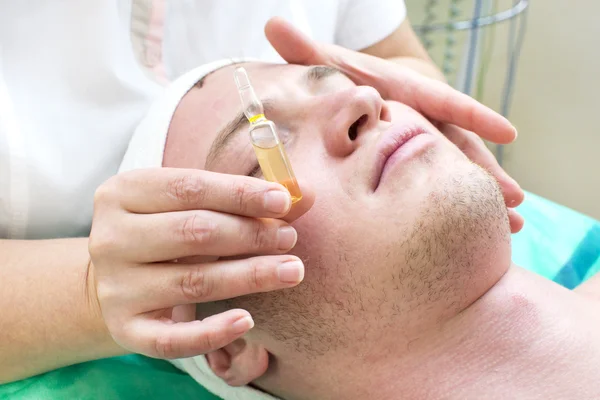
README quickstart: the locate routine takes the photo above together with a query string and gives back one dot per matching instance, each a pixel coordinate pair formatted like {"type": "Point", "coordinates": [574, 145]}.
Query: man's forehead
{"type": "Point", "coordinates": [259, 72]}
{"type": "Point", "coordinates": [220, 89]}
{"type": "Point", "coordinates": [220, 94]}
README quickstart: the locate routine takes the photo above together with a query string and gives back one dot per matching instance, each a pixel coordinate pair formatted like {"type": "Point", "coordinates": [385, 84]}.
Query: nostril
{"type": "Point", "coordinates": [353, 130]}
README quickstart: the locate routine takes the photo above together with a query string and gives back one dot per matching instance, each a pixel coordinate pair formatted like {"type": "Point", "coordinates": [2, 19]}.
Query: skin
{"type": "Point", "coordinates": [102, 308]}
{"type": "Point", "coordinates": [421, 282]}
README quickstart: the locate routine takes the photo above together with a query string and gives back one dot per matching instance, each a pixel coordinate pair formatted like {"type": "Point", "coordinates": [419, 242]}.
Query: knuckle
{"type": "Point", "coordinates": [257, 276]}
{"type": "Point", "coordinates": [117, 333]}
{"type": "Point", "coordinates": [110, 190]}
{"type": "Point", "coordinates": [102, 243]}
{"type": "Point", "coordinates": [105, 193]}
{"type": "Point", "coordinates": [105, 293]}
{"type": "Point", "coordinates": [123, 331]}
{"type": "Point", "coordinates": [165, 346]}
{"type": "Point", "coordinates": [209, 341]}
{"type": "Point", "coordinates": [261, 237]}
{"type": "Point", "coordinates": [197, 230]}
{"type": "Point", "coordinates": [190, 189]}
{"type": "Point", "coordinates": [244, 194]}
{"type": "Point", "coordinates": [196, 285]}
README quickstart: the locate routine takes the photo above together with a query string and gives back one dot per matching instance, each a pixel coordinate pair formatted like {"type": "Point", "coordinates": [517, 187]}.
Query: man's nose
{"type": "Point", "coordinates": [348, 118]}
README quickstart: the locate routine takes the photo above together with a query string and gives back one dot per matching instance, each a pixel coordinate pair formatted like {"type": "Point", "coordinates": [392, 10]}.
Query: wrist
{"type": "Point", "coordinates": [102, 340]}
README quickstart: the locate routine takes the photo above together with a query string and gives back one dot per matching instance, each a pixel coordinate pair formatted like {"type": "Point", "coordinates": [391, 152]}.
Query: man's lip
{"type": "Point", "coordinates": [392, 139]}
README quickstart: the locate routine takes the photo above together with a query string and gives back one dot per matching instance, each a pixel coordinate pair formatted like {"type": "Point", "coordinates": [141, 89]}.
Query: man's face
{"type": "Point", "coordinates": [403, 237]}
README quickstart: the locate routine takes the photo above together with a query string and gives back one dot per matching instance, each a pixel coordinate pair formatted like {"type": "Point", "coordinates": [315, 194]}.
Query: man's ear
{"type": "Point", "coordinates": [239, 363]}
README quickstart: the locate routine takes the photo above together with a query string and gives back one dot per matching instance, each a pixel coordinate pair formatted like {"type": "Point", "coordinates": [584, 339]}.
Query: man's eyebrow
{"type": "Point", "coordinates": [319, 72]}
{"type": "Point", "coordinates": [312, 75]}
{"type": "Point", "coordinates": [233, 127]}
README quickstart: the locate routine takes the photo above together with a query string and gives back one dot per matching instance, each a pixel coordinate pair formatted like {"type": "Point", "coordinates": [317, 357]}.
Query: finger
{"type": "Point", "coordinates": [220, 363]}
{"type": "Point", "coordinates": [516, 220]}
{"type": "Point", "coordinates": [236, 368]}
{"type": "Point", "coordinates": [291, 44]}
{"type": "Point", "coordinates": [511, 190]}
{"type": "Point", "coordinates": [165, 339]}
{"type": "Point", "coordinates": [175, 189]}
{"type": "Point", "coordinates": [432, 98]}
{"type": "Point", "coordinates": [173, 284]}
{"type": "Point", "coordinates": [474, 148]}
{"type": "Point", "coordinates": [440, 101]}
{"type": "Point", "coordinates": [166, 236]}
{"type": "Point", "coordinates": [298, 209]}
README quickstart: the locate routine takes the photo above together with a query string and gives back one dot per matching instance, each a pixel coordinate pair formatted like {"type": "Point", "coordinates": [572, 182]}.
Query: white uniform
{"type": "Point", "coordinates": [71, 93]}
{"type": "Point", "coordinates": [76, 77]}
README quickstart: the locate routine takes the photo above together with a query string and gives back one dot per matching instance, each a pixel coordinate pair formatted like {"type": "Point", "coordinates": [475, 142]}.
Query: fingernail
{"type": "Point", "coordinates": [287, 237]}
{"type": "Point", "coordinates": [243, 324]}
{"type": "Point", "coordinates": [277, 201]}
{"type": "Point", "coordinates": [291, 272]}
{"type": "Point", "coordinates": [516, 133]}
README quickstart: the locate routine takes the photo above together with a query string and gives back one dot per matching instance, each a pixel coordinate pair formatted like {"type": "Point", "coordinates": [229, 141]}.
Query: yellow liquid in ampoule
{"type": "Point", "coordinates": [274, 165]}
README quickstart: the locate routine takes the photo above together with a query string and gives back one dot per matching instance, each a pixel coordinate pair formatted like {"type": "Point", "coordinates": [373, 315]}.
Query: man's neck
{"type": "Point", "coordinates": [525, 338]}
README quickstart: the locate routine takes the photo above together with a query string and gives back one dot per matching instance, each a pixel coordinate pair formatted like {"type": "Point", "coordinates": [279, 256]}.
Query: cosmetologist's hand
{"type": "Point", "coordinates": [157, 236]}
{"type": "Point", "coordinates": [459, 114]}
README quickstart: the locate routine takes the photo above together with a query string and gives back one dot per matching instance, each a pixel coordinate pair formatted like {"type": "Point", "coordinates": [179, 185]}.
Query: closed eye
{"type": "Point", "coordinates": [286, 139]}
{"type": "Point", "coordinates": [255, 172]}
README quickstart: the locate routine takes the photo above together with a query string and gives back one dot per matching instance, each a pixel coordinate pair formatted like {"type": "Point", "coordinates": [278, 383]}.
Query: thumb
{"type": "Point", "coordinates": [291, 44]}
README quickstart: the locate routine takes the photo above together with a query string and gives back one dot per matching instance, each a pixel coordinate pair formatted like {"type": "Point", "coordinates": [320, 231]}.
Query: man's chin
{"type": "Point", "coordinates": [464, 239]}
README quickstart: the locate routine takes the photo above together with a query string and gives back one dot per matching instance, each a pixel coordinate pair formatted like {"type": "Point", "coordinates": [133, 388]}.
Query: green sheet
{"type": "Point", "coordinates": [129, 377]}
{"type": "Point", "coordinates": [556, 242]}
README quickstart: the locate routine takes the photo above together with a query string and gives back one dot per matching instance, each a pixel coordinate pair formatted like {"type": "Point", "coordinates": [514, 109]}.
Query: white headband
{"type": "Point", "coordinates": [147, 145]}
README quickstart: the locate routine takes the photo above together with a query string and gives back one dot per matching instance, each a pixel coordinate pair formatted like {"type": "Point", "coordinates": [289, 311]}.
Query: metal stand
{"type": "Point", "coordinates": [478, 22]}
{"type": "Point", "coordinates": [473, 65]}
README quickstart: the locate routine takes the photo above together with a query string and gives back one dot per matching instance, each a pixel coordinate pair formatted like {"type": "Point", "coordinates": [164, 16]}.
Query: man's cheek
{"type": "Point", "coordinates": [316, 232]}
